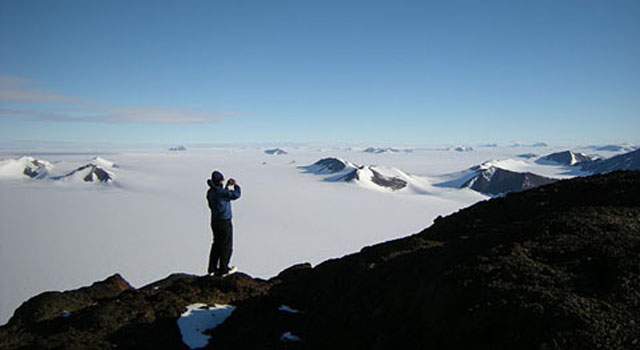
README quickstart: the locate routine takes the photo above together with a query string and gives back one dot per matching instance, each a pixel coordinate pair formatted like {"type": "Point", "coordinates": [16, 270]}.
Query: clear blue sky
{"type": "Point", "coordinates": [320, 71]}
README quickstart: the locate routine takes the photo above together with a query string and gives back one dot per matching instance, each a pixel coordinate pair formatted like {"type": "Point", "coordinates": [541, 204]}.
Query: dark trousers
{"type": "Point", "coordinates": [222, 245]}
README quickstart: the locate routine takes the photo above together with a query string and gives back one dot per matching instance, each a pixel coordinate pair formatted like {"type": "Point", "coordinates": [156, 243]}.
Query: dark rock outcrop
{"type": "Point", "coordinates": [49, 305]}
{"type": "Point", "coordinates": [568, 157]}
{"type": "Point", "coordinates": [391, 182]}
{"type": "Point", "coordinates": [111, 314]}
{"type": "Point", "coordinates": [496, 181]}
{"type": "Point", "coordinates": [527, 155]}
{"type": "Point", "coordinates": [326, 166]}
{"type": "Point", "coordinates": [556, 267]}
{"type": "Point", "coordinates": [35, 168]}
{"type": "Point", "coordinates": [276, 151]}
{"type": "Point", "coordinates": [540, 144]}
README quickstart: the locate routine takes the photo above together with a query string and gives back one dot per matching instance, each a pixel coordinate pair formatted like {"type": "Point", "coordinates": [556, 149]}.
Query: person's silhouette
{"type": "Point", "coordinates": [219, 198]}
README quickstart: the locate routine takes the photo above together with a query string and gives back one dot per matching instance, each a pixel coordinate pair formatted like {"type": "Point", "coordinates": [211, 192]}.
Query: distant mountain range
{"type": "Point", "coordinates": [626, 147]}
{"type": "Point", "coordinates": [625, 161]}
{"type": "Point", "coordinates": [537, 144]}
{"type": "Point", "coordinates": [94, 171]}
{"type": "Point", "coordinates": [380, 150]}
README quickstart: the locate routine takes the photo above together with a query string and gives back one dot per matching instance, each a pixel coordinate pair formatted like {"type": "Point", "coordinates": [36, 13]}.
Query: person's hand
{"type": "Point", "coordinates": [231, 182]}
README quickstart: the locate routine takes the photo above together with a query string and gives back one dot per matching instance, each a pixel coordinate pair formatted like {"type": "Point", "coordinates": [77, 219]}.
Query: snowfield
{"type": "Point", "coordinates": [152, 219]}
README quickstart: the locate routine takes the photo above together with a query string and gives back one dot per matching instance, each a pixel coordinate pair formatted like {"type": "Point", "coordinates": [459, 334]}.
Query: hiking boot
{"type": "Point", "coordinates": [229, 271]}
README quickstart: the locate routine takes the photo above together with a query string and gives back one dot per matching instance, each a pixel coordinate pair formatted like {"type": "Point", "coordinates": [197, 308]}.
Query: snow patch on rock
{"type": "Point", "coordinates": [199, 318]}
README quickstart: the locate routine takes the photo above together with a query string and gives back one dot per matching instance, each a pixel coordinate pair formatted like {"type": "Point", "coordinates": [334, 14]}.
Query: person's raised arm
{"type": "Point", "coordinates": [235, 194]}
{"type": "Point", "coordinates": [232, 194]}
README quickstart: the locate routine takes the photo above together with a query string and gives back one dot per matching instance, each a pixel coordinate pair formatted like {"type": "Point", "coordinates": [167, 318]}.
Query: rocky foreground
{"type": "Point", "coordinates": [556, 267]}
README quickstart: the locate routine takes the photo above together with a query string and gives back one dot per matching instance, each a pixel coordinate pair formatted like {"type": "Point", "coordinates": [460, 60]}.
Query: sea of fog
{"type": "Point", "coordinates": [154, 221]}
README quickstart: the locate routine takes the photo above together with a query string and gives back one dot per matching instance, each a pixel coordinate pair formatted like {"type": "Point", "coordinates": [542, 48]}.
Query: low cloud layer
{"type": "Point", "coordinates": [121, 115]}
{"type": "Point", "coordinates": [16, 89]}
{"type": "Point", "coordinates": [19, 90]}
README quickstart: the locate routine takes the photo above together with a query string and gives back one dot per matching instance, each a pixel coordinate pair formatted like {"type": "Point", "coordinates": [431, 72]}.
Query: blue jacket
{"type": "Point", "coordinates": [219, 199]}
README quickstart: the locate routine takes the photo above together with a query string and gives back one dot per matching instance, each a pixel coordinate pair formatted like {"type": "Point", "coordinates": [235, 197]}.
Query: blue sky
{"type": "Point", "coordinates": [319, 71]}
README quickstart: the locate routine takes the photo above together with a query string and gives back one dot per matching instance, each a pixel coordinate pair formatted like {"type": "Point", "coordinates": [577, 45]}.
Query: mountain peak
{"type": "Point", "coordinates": [568, 157]}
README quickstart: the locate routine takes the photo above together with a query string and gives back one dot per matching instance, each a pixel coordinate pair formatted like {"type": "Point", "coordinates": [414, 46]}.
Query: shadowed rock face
{"type": "Point", "coordinates": [497, 181]}
{"type": "Point", "coordinates": [35, 168]}
{"type": "Point", "coordinates": [556, 267]}
{"type": "Point", "coordinates": [393, 183]}
{"type": "Point", "coordinates": [328, 165]}
{"type": "Point", "coordinates": [626, 161]}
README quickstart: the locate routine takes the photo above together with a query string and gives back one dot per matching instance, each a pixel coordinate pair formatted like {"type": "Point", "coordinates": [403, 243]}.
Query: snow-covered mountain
{"type": "Point", "coordinates": [495, 181]}
{"type": "Point", "coordinates": [88, 173]}
{"type": "Point", "coordinates": [568, 157]}
{"type": "Point", "coordinates": [625, 161]}
{"type": "Point", "coordinates": [25, 166]}
{"type": "Point", "coordinates": [372, 177]}
{"type": "Point", "coordinates": [368, 176]}
{"type": "Point", "coordinates": [276, 151]}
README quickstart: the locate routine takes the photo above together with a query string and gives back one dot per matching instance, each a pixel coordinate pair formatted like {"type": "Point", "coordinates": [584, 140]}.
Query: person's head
{"type": "Point", "coordinates": [217, 178]}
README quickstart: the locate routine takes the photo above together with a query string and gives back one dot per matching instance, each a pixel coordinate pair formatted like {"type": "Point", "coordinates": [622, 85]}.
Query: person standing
{"type": "Point", "coordinates": [219, 198]}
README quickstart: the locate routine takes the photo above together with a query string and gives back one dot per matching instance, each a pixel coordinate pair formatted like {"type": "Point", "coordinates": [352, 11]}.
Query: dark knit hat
{"type": "Point", "coordinates": [217, 177]}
